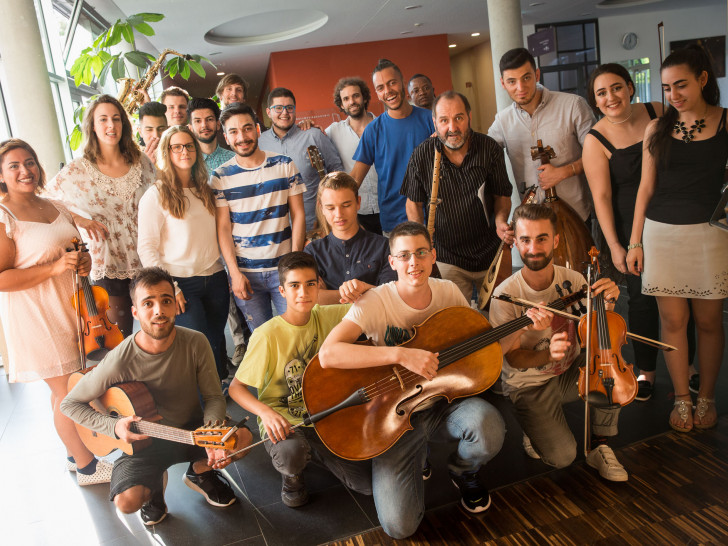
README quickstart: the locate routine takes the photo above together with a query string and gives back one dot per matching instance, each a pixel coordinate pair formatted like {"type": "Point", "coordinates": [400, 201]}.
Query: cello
{"type": "Point", "coordinates": [361, 413]}
{"type": "Point", "coordinates": [97, 334]}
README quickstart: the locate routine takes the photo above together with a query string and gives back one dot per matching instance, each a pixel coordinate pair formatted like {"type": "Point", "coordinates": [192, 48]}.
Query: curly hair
{"type": "Point", "coordinates": [357, 82]}
{"type": "Point", "coordinates": [8, 146]}
{"type": "Point", "coordinates": [128, 147]}
{"type": "Point", "coordinates": [170, 191]}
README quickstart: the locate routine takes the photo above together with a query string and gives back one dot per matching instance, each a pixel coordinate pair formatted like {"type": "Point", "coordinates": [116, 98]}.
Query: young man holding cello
{"type": "Point", "coordinates": [541, 365]}
{"type": "Point", "coordinates": [386, 314]}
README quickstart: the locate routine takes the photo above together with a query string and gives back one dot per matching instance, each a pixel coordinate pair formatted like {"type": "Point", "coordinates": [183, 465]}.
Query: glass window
{"type": "Point", "coordinates": [4, 120]}
{"type": "Point", "coordinates": [639, 69]}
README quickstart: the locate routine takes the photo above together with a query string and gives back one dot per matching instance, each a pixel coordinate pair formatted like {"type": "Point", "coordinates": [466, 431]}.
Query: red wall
{"type": "Point", "coordinates": [312, 73]}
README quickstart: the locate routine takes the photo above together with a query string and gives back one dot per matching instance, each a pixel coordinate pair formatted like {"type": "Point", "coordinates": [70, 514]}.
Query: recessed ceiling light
{"type": "Point", "coordinates": [475, 34]}
{"type": "Point", "coordinates": [585, 13]}
{"type": "Point", "coordinates": [406, 32]}
{"type": "Point", "coordinates": [418, 24]}
{"type": "Point", "coordinates": [221, 73]}
{"type": "Point", "coordinates": [413, 6]}
{"type": "Point", "coordinates": [452, 45]}
{"type": "Point", "coordinates": [534, 4]}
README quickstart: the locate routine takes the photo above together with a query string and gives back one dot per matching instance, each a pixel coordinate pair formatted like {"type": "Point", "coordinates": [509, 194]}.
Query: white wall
{"type": "Point", "coordinates": [680, 24]}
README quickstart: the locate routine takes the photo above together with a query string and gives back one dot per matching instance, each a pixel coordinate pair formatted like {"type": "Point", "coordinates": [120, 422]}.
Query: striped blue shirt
{"type": "Point", "coordinates": [259, 213]}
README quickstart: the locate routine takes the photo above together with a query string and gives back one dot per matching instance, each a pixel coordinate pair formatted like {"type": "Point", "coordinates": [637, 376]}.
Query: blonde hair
{"type": "Point", "coordinates": [335, 180]}
{"type": "Point", "coordinates": [13, 144]}
{"type": "Point", "coordinates": [170, 190]}
{"type": "Point", "coordinates": [129, 149]}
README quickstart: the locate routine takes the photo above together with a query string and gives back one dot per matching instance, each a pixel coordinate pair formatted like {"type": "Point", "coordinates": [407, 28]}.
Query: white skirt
{"type": "Point", "coordinates": [685, 261]}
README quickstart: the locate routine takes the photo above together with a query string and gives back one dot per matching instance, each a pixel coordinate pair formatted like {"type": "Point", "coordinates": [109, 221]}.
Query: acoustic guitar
{"type": "Point", "coordinates": [133, 398]}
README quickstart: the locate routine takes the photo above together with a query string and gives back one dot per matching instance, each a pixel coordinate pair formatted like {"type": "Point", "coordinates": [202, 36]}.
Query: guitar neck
{"type": "Point", "coordinates": [164, 432]}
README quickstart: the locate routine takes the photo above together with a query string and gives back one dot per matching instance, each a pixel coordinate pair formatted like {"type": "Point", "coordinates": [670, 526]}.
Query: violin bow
{"type": "Point", "coordinates": [77, 298]}
{"type": "Point", "coordinates": [630, 335]}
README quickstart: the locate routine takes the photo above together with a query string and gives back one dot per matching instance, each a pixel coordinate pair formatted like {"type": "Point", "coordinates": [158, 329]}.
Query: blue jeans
{"type": "Point", "coordinates": [257, 310]}
{"type": "Point", "coordinates": [206, 311]}
{"type": "Point", "coordinates": [397, 473]}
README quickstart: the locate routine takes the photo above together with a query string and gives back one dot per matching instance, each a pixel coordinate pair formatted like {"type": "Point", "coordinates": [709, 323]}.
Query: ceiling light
{"type": "Point", "coordinates": [606, 4]}
{"type": "Point", "coordinates": [475, 34]}
{"type": "Point", "coordinates": [534, 4]}
{"type": "Point", "coordinates": [413, 7]}
{"type": "Point", "coordinates": [418, 24]}
{"type": "Point", "coordinates": [406, 32]}
{"type": "Point", "coordinates": [452, 45]}
{"type": "Point", "coordinates": [214, 53]}
{"type": "Point", "coordinates": [221, 73]}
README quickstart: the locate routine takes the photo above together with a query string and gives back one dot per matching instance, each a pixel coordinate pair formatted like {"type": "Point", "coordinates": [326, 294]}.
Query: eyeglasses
{"type": "Point", "coordinates": [278, 108]}
{"type": "Point", "coordinates": [419, 254]}
{"type": "Point", "coordinates": [177, 148]}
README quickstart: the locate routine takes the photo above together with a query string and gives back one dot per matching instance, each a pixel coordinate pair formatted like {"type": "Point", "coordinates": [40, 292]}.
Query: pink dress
{"type": "Point", "coordinates": [40, 322]}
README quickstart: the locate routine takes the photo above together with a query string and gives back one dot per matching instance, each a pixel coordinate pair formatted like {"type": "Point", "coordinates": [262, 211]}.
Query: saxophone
{"type": "Point", "coordinates": [130, 96]}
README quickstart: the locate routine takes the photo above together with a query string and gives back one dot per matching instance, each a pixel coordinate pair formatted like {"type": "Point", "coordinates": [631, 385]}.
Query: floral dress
{"type": "Point", "coordinates": [113, 202]}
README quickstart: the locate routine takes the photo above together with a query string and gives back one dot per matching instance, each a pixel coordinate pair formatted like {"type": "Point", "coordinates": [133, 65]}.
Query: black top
{"type": "Point", "coordinates": [625, 171]}
{"type": "Point", "coordinates": [363, 257]}
{"type": "Point", "coordinates": [688, 187]}
{"type": "Point", "coordinates": [465, 234]}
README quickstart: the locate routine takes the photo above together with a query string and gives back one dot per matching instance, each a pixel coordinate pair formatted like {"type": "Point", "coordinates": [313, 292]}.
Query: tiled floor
{"type": "Point", "coordinates": [40, 502]}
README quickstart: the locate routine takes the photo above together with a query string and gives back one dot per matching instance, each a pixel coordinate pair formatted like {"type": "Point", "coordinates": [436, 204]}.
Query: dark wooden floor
{"type": "Point", "coordinates": [677, 494]}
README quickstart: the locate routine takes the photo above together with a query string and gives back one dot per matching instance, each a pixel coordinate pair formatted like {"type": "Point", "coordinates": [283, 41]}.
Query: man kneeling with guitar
{"type": "Point", "coordinates": [177, 367]}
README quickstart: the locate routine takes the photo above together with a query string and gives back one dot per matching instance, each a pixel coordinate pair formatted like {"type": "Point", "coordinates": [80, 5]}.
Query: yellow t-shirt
{"type": "Point", "coordinates": [278, 353]}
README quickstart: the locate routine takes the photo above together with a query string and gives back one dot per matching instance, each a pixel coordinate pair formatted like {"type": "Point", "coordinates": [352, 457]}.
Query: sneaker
{"type": "Point", "coordinates": [71, 466]}
{"type": "Point", "coordinates": [155, 510]}
{"type": "Point", "coordinates": [602, 458]}
{"type": "Point", "coordinates": [528, 448]}
{"type": "Point", "coordinates": [101, 475]}
{"type": "Point", "coordinates": [293, 492]}
{"type": "Point", "coordinates": [475, 496]}
{"type": "Point", "coordinates": [694, 383]}
{"type": "Point", "coordinates": [212, 485]}
{"type": "Point", "coordinates": [239, 354]}
{"type": "Point", "coordinates": [644, 390]}
{"type": "Point", "coordinates": [427, 470]}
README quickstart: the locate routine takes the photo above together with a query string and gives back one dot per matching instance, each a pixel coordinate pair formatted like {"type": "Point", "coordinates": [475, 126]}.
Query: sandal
{"type": "Point", "coordinates": [683, 408]}
{"type": "Point", "coordinates": [701, 410]}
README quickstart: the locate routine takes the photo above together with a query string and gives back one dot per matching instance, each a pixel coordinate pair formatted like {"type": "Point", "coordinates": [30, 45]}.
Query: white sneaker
{"type": "Point", "coordinates": [102, 474]}
{"type": "Point", "coordinates": [528, 448]}
{"type": "Point", "coordinates": [605, 462]}
{"type": "Point", "coordinates": [239, 354]}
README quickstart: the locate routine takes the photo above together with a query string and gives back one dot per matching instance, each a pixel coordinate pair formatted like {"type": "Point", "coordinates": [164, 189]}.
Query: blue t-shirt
{"type": "Point", "coordinates": [387, 143]}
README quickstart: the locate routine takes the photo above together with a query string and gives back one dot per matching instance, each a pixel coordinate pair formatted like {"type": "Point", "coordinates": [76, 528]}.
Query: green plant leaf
{"type": "Point", "coordinates": [105, 72]}
{"type": "Point", "coordinates": [172, 67]}
{"type": "Point", "coordinates": [127, 32]}
{"type": "Point", "coordinates": [185, 70]}
{"type": "Point", "coordinates": [76, 138]}
{"type": "Point", "coordinates": [151, 57]}
{"type": "Point", "coordinates": [197, 67]}
{"type": "Point", "coordinates": [105, 56]}
{"type": "Point", "coordinates": [144, 29]}
{"type": "Point", "coordinates": [113, 36]}
{"type": "Point", "coordinates": [135, 19]}
{"type": "Point", "coordinates": [117, 68]}
{"type": "Point", "coordinates": [200, 59]}
{"type": "Point", "coordinates": [151, 17]}
{"type": "Point", "coordinates": [136, 58]}
{"type": "Point", "coordinates": [97, 65]}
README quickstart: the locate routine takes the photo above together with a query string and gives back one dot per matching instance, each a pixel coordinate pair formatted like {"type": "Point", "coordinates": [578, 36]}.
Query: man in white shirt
{"type": "Point", "coordinates": [560, 120]}
{"type": "Point", "coordinates": [352, 96]}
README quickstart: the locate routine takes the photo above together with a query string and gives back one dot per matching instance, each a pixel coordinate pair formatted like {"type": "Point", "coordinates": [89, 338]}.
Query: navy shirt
{"type": "Point", "coordinates": [363, 257]}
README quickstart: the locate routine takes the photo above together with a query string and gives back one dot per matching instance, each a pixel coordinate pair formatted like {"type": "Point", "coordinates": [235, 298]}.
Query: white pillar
{"type": "Point", "coordinates": [506, 33]}
{"type": "Point", "coordinates": [26, 85]}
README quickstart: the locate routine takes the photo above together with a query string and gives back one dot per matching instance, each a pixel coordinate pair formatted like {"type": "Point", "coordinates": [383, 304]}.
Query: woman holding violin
{"type": "Point", "coordinates": [613, 164]}
{"type": "Point", "coordinates": [682, 259]}
{"type": "Point", "coordinates": [103, 189]}
{"type": "Point", "coordinates": [177, 232]}
{"type": "Point", "coordinates": [36, 293]}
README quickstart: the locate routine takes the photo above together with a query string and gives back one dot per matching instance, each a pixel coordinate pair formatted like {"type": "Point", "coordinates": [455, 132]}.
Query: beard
{"type": "Point", "coordinates": [360, 110]}
{"type": "Point", "coordinates": [537, 262]}
{"type": "Point", "coordinates": [154, 333]}
{"type": "Point", "coordinates": [206, 140]}
{"type": "Point", "coordinates": [248, 153]}
{"type": "Point", "coordinates": [454, 145]}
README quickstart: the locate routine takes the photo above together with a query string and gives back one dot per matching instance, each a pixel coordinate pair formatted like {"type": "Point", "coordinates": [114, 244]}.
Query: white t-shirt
{"type": "Point", "coordinates": [501, 312]}
{"type": "Point", "coordinates": [387, 320]}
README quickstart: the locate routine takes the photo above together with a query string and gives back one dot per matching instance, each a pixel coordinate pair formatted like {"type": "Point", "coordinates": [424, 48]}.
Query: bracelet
{"type": "Point", "coordinates": [573, 169]}
{"type": "Point", "coordinates": [634, 245]}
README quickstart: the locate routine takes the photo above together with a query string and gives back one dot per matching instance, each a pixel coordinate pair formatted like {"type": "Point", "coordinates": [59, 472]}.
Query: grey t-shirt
{"type": "Point", "coordinates": [173, 378]}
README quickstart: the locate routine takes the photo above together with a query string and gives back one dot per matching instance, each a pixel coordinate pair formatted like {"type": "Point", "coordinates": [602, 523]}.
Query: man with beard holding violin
{"type": "Point", "coordinates": [541, 365]}
{"type": "Point", "coordinates": [387, 314]}
{"type": "Point", "coordinates": [177, 367]}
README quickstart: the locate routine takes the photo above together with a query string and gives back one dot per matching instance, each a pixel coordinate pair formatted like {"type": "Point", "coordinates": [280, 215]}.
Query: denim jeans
{"type": "Point", "coordinates": [257, 310]}
{"type": "Point", "coordinates": [397, 473]}
{"type": "Point", "coordinates": [206, 311]}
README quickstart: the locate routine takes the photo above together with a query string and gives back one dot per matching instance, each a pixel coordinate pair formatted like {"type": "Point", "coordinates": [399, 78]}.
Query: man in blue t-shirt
{"type": "Point", "coordinates": [389, 140]}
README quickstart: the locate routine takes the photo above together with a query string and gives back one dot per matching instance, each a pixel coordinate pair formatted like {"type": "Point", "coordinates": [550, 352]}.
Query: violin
{"type": "Point", "coordinates": [361, 413]}
{"type": "Point", "coordinates": [608, 378]}
{"type": "Point", "coordinates": [97, 334]}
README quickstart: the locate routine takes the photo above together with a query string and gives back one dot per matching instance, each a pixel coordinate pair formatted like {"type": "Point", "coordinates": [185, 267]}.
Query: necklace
{"type": "Point", "coordinates": [631, 111]}
{"type": "Point", "coordinates": [688, 134]}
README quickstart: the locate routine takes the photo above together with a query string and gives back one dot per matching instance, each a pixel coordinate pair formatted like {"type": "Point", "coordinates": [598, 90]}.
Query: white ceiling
{"type": "Point", "coordinates": [349, 21]}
